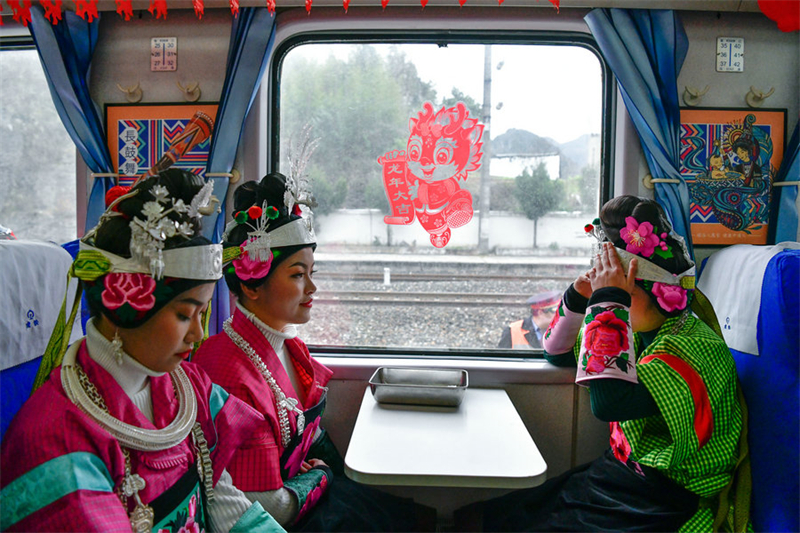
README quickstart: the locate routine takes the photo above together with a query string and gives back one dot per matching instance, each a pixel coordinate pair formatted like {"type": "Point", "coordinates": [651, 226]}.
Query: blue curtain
{"type": "Point", "coordinates": [645, 49]}
{"type": "Point", "coordinates": [252, 37]}
{"type": "Point", "coordinates": [783, 211]}
{"type": "Point", "coordinates": [65, 50]}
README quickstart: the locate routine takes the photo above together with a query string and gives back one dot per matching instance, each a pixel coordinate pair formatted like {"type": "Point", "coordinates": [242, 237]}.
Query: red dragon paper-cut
{"type": "Point", "coordinates": [422, 181]}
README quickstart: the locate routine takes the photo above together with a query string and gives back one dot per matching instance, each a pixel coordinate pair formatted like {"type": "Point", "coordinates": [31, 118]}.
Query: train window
{"type": "Point", "coordinates": [36, 150]}
{"type": "Point", "coordinates": [409, 257]}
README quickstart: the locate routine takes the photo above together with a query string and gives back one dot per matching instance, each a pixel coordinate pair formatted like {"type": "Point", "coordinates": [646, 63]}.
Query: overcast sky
{"type": "Point", "coordinates": [552, 91]}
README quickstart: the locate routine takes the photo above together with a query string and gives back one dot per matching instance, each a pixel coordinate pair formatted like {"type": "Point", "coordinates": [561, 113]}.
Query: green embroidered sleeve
{"type": "Point", "coordinates": [256, 520]}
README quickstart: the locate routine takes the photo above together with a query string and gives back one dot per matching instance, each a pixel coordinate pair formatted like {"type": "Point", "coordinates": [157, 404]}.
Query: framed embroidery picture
{"type": "Point", "coordinates": [729, 158]}
{"type": "Point", "coordinates": [144, 139]}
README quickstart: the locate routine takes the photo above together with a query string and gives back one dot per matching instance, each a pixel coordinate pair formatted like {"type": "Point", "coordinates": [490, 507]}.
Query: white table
{"type": "Point", "coordinates": [481, 443]}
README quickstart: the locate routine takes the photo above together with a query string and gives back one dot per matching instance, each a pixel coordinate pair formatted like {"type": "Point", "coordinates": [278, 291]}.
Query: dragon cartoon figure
{"type": "Point", "coordinates": [422, 181]}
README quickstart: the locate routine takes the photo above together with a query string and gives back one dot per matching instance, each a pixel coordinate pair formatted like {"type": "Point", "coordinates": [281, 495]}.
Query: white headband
{"type": "Point", "coordinates": [192, 262]}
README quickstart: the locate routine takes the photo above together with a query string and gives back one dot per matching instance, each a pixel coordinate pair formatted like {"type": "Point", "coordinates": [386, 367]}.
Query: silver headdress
{"type": "Point", "coordinates": [149, 235]}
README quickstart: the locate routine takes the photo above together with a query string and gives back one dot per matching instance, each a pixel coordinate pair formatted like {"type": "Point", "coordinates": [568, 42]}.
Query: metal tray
{"type": "Point", "coordinates": [419, 386]}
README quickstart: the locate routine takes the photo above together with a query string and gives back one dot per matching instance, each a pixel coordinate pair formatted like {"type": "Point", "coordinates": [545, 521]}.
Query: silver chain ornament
{"type": "Point", "coordinates": [282, 402]}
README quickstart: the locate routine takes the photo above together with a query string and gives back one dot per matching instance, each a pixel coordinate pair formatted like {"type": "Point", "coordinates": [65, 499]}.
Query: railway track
{"type": "Point", "coordinates": [379, 276]}
{"type": "Point", "coordinates": [419, 298]}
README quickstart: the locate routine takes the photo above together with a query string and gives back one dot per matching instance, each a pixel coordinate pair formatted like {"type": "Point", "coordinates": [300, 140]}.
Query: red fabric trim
{"type": "Point", "coordinates": [703, 416]}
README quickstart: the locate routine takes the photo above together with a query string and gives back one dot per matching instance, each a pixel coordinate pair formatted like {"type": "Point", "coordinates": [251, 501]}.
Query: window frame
{"type": "Point", "coordinates": [333, 33]}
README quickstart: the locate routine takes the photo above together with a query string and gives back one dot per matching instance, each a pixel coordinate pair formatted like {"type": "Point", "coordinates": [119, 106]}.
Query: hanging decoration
{"type": "Point", "coordinates": [124, 8]}
{"type": "Point", "coordinates": [21, 10]}
{"type": "Point", "coordinates": [158, 8]}
{"type": "Point", "coordinates": [52, 11]}
{"type": "Point", "coordinates": [199, 8]}
{"type": "Point", "coordinates": [88, 10]}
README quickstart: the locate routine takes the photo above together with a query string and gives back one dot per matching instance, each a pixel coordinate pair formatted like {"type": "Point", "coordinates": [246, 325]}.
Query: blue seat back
{"type": "Point", "coordinates": [771, 385]}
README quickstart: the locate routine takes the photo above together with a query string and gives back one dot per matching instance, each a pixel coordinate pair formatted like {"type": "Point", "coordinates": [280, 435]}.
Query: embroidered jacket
{"type": "Point", "coordinates": [690, 374]}
{"type": "Point", "coordinates": [61, 469]}
{"type": "Point", "coordinates": [256, 466]}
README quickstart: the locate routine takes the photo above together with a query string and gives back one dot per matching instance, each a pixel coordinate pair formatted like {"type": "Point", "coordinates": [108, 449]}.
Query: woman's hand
{"type": "Point", "coordinates": [311, 463]}
{"type": "Point", "coordinates": [583, 284]}
{"type": "Point", "coordinates": [608, 271]}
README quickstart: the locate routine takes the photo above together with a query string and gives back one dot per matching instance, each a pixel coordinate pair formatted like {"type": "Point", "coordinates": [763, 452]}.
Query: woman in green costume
{"type": "Point", "coordinates": [662, 378]}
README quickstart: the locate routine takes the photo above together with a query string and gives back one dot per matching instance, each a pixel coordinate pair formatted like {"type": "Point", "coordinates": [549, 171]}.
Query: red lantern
{"type": "Point", "coordinates": [199, 8]}
{"type": "Point", "coordinates": [124, 9]}
{"type": "Point", "coordinates": [158, 8]}
{"type": "Point", "coordinates": [785, 12]}
{"type": "Point", "coordinates": [52, 10]}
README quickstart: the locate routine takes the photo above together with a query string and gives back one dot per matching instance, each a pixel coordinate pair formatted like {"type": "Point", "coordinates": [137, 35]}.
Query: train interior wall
{"type": "Point", "coordinates": [555, 411]}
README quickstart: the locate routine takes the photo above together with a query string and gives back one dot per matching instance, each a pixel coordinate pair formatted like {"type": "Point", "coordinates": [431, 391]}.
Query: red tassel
{"type": "Point", "coordinates": [22, 11]}
{"type": "Point", "coordinates": [1, 18]}
{"type": "Point", "coordinates": [124, 9]}
{"type": "Point", "coordinates": [785, 12]}
{"type": "Point", "coordinates": [86, 9]}
{"type": "Point", "coordinates": [271, 7]}
{"type": "Point", "coordinates": [308, 6]}
{"type": "Point", "coordinates": [199, 8]}
{"type": "Point", "coordinates": [52, 11]}
{"type": "Point", "coordinates": [462, 2]}
{"type": "Point", "coordinates": [346, 4]}
{"type": "Point", "coordinates": [384, 3]}
{"type": "Point", "coordinates": [158, 8]}
{"type": "Point", "coordinates": [424, 3]}
{"type": "Point", "coordinates": [555, 3]}
{"type": "Point", "coordinates": [499, 2]}
{"type": "Point", "coordinates": [234, 8]}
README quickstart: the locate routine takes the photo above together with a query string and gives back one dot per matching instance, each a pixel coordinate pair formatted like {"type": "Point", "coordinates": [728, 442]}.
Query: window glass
{"type": "Point", "coordinates": [37, 162]}
{"type": "Point", "coordinates": [461, 257]}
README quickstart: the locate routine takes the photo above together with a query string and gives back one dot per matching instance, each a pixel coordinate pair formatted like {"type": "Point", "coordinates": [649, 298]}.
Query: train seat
{"type": "Point", "coordinates": [755, 293]}
{"type": "Point", "coordinates": [32, 281]}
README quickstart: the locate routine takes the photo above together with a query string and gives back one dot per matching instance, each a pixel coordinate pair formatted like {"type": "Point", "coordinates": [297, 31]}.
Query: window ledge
{"type": "Point", "coordinates": [482, 372]}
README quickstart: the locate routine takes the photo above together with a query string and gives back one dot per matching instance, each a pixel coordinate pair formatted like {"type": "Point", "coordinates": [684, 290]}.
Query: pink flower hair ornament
{"type": "Point", "coordinates": [254, 259]}
{"type": "Point", "coordinates": [670, 297]}
{"type": "Point", "coordinates": [640, 237]}
{"type": "Point", "coordinates": [135, 289]}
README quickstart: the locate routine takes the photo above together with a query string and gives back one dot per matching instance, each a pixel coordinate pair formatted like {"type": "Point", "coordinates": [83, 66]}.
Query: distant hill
{"type": "Point", "coordinates": [522, 142]}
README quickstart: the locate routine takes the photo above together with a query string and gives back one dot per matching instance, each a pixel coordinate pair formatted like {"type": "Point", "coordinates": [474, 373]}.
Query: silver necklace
{"type": "Point", "coordinates": [82, 393]}
{"type": "Point", "coordinates": [282, 402]}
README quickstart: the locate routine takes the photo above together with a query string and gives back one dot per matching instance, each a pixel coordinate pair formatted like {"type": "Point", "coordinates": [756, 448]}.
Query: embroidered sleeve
{"type": "Point", "coordinates": [561, 335]}
{"type": "Point", "coordinates": [607, 347]}
{"type": "Point", "coordinates": [324, 448]}
{"type": "Point", "coordinates": [309, 488]}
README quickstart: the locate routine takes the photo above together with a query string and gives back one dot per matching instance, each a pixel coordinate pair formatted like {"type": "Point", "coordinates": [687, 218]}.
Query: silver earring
{"type": "Point", "coordinates": [116, 346]}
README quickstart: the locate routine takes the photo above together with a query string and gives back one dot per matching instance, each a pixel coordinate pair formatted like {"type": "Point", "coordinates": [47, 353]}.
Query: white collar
{"type": "Point", "coordinates": [131, 375]}
{"type": "Point", "coordinates": [274, 337]}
